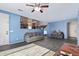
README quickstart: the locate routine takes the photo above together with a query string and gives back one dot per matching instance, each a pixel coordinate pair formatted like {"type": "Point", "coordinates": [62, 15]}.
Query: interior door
{"type": "Point", "coordinates": [4, 29]}
{"type": "Point", "coordinates": [73, 29]}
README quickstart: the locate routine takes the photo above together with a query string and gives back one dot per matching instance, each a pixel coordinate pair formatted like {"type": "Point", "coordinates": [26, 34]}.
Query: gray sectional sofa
{"type": "Point", "coordinates": [33, 36]}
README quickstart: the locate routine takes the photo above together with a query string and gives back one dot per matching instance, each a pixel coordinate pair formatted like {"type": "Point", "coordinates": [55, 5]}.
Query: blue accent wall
{"type": "Point", "coordinates": [14, 25]}
{"type": "Point", "coordinates": [59, 25]}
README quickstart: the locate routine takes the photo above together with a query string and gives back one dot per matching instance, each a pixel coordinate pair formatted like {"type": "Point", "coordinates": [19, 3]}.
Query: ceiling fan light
{"type": "Point", "coordinates": [37, 8]}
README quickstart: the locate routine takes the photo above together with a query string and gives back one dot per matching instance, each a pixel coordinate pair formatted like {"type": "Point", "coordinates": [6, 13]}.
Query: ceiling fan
{"type": "Point", "coordinates": [38, 6]}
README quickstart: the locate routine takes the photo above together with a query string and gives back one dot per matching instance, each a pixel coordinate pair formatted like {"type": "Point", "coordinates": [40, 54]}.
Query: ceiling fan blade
{"type": "Point", "coordinates": [29, 5]}
{"type": "Point", "coordinates": [44, 6]}
{"type": "Point", "coordinates": [41, 11]}
{"type": "Point", "coordinates": [33, 10]}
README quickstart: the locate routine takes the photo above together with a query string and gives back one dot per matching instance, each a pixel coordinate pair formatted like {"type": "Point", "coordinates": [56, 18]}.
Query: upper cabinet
{"type": "Point", "coordinates": [27, 23]}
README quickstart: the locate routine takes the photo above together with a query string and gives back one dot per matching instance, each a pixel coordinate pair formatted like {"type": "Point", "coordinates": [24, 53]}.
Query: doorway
{"type": "Point", "coordinates": [72, 29]}
{"type": "Point", "coordinates": [4, 29]}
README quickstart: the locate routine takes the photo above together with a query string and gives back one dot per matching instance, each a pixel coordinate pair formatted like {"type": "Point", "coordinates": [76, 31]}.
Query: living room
{"type": "Point", "coordinates": [29, 27]}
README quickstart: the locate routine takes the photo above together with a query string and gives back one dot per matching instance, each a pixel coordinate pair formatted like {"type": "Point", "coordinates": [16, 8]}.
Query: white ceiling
{"type": "Point", "coordinates": [55, 12]}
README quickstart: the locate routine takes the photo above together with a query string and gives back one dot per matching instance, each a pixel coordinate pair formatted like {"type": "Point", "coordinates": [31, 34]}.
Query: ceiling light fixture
{"type": "Point", "coordinates": [37, 8]}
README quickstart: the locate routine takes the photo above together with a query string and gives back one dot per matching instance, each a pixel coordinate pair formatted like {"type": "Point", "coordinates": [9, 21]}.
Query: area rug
{"type": "Point", "coordinates": [7, 52]}
{"type": "Point", "coordinates": [28, 50]}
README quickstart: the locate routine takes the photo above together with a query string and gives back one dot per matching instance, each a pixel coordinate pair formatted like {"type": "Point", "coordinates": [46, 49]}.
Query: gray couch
{"type": "Point", "coordinates": [33, 36]}
{"type": "Point", "coordinates": [57, 35]}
